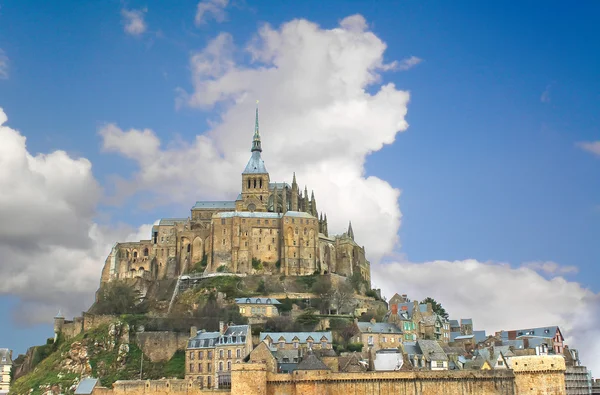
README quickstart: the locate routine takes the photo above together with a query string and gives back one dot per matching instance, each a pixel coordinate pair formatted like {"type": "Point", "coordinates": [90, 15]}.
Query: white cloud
{"type": "Point", "coordinates": [134, 22]}
{"type": "Point", "coordinates": [498, 297]}
{"type": "Point", "coordinates": [52, 251]}
{"type": "Point", "coordinates": [550, 267]}
{"type": "Point", "coordinates": [316, 119]}
{"type": "Point", "coordinates": [207, 9]}
{"type": "Point", "coordinates": [590, 146]}
{"type": "Point", "coordinates": [409, 63]}
{"type": "Point", "coordinates": [3, 65]}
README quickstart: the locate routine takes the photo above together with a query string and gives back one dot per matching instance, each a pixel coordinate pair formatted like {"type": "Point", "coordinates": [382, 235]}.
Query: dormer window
{"type": "Point", "coordinates": [258, 300]}
{"type": "Point", "coordinates": [268, 301]}
{"type": "Point", "coordinates": [247, 300]}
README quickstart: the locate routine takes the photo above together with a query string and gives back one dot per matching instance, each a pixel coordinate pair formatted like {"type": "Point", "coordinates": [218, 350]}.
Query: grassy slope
{"type": "Point", "coordinates": [103, 362]}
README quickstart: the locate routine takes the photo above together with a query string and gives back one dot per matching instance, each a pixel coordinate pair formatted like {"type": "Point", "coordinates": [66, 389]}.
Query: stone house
{"type": "Point", "coordinates": [297, 340]}
{"type": "Point", "coordinates": [426, 354]}
{"type": "Point", "coordinates": [550, 335]}
{"type": "Point", "coordinates": [5, 368]}
{"type": "Point", "coordinates": [258, 307]}
{"type": "Point", "coordinates": [497, 357]}
{"type": "Point", "coordinates": [435, 327]}
{"type": "Point", "coordinates": [377, 335]}
{"type": "Point", "coordinates": [210, 355]}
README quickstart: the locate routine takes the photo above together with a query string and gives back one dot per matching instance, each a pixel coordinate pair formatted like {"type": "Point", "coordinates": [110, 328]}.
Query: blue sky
{"type": "Point", "coordinates": [489, 167]}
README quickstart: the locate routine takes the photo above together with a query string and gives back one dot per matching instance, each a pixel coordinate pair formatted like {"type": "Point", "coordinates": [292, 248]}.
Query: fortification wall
{"type": "Point", "coordinates": [155, 387]}
{"type": "Point", "coordinates": [539, 375]}
{"type": "Point", "coordinates": [161, 346]}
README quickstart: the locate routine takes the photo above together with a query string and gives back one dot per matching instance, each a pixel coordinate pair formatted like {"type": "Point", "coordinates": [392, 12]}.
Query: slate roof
{"type": "Point", "coordinates": [479, 336]}
{"type": "Point", "coordinates": [547, 332]}
{"type": "Point", "coordinates": [171, 221]}
{"type": "Point", "coordinates": [279, 185]}
{"type": "Point", "coordinates": [5, 357]}
{"type": "Point", "coordinates": [297, 214]}
{"type": "Point", "coordinates": [491, 357]}
{"type": "Point", "coordinates": [463, 337]}
{"type": "Point", "coordinates": [454, 324]}
{"type": "Point", "coordinates": [255, 165]}
{"type": "Point", "coordinates": [302, 336]}
{"type": "Point", "coordinates": [235, 334]}
{"type": "Point", "coordinates": [518, 344]}
{"type": "Point", "coordinates": [432, 351]}
{"type": "Point", "coordinates": [454, 335]}
{"type": "Point", "coordinates": [256, 301]}
{"type": "Point", "coordinates": [353, 359]}
{"type": "Point", "coordinates": [430, 320]}
{"type": "Point", "coordinates": [411, 348]}
{"type": "Point", "coordinates": [466, 321]}
{"type": "Point", "coordinates": [311, 362]}
{"type": "Point", "coordinates": [86, 386]}
{"type": "Point", "coordinates": [289, 354]}
{"type": "Point", "coordinates": [215, 204]}
{"type": "Point", "coordinates": [247, 214]}
{"type": "Point", "coordinates": [378, 327]}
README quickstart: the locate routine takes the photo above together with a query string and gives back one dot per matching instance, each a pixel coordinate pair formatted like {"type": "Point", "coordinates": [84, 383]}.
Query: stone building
{"type": "Point", "coordinates": [377, 335]}
{"type": "Point", "coordinates": [5, 368]}
{"type": "Point", "coordinates": [258, 307]}
{"type": "Point", "coordinates": [271, 227]}
{"type": "Point", "coordinates": [210, 355]}
{"type": "Point", "coordinates": [297, 340]}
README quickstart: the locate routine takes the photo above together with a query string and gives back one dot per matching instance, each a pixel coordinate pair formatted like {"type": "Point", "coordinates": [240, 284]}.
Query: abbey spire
{"type": "Point", "coordinates": [256, 139]}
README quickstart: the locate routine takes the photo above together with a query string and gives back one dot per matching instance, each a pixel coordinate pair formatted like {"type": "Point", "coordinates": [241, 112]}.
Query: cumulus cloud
{"type": "Point", "coordinates": [590, 146]}
{"type": "Point", "coordinates": [552, 268]}
{"type": "Point", "coordinates": [207, 9]}
{"type": "Point", "coordinates": [317, 119]}
{"type": "Point", "coordinates": [409, 63]}
{"type": "Point", "coordinates": [52, 251]}
{"type": "Point", "coordinates": [499, 297]}
{"type": "Point", "coordinates": [3, 65]}
{"type": "Point", "coordinates": [133, 21]}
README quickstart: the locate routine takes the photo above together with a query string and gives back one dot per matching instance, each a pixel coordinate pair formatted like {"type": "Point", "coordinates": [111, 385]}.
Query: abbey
{"type": "Point", "coordinates": [271, 228]}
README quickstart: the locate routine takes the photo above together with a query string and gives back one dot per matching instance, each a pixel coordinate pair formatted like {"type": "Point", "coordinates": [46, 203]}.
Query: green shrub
{"type": "Point", "coordinates": [257, 264]}
{"type": "Point", "coordinates": [372, 294]}
{"type": "Point", "coordinates": [278, 265]}
{"type": "Point", "coordinates": [262, 289]}
{"type": "Point", "coordinates": [222, 269]}
{"type": "Point", "coordinates": [355, 347]}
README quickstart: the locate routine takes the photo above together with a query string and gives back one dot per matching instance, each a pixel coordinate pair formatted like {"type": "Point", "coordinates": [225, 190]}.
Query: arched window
{"type": "Point", "coordinates": [255, 183]}
{"type": "Point", "coordinates": [145, 252]}
{"type": "Point", "coordinates": [304, 231]}
{"type": "Point", "coordinates": [229, 365]}
{"type": "Point", "coordinates": [229, 354]}
{"type": "Point", "coordinates": [248, 183]}
{"type": "Point", "coordinates": [238, 353]}
{"type": "Point", "coordinates": [189, 248]}
{"type": "Point", "coordinates": [135, 254]}
{"type": "Point", "coordinates": [220, 366]}
{"type": "Point", "coordinates": [221, 356]}
{"type": "Point", "coordinates": [261, 183]}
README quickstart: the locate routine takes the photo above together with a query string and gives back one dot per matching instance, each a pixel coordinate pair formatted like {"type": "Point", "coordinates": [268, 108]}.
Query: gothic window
{"type": "Point", "coordinates": [248, 183]}
{"type": "Point", "coordinates": [260, 198]}
{"type": "Point", "coordinates": [273, 240]}
{"type": "Point", "coordinates": [304, 231]}
{"type": "Point", "coordinates": [261, 183]}
{"type": "Point", "coordinates": [189, 248]}
{"type": "Point", "coordinates": [145, 252]}
{"type": "Point", "coordinates": [294, 242]}
{"type": "Point", "coordinates": [255, 183]}
{"type": "Point", "coordinates": [269, 248]}
{"type": "Point", "coordinates": [135, 254]}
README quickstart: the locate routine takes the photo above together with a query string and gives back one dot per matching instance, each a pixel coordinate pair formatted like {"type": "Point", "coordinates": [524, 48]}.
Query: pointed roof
{"type": "Point", "coordinates": [256, 165]}
{"type": "Point", "coordinates": [311, 362]}
{"type": "Point", "coordinates": [350, 231]}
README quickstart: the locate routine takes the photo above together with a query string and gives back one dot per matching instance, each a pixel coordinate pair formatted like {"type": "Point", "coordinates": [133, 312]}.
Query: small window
{"type": "Point", "coordinates": [258, 221]}
{"type": "Point", "coordinates": [220, 366]}
{"type": "Point", "coordinates": [221, 354]}
{"type": "Point", "coordinates": [229, 365]}
{"type": "Point", "coordinates": [145, 252]}
{"type": "Point", "coordinates": [238, 353]}
{"type": "Point", "coordinates": [222, 221]}
{"type": "Point", "coordinates": [135, 254]}
{"type": "Point", "coordinates": [228, 353]}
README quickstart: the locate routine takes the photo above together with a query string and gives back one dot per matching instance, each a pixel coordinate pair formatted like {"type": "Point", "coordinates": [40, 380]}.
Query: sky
{"type": "Point", "coordinates": [460, 138]}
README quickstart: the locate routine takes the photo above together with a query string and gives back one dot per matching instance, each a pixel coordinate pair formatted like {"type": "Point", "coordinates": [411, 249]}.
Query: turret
{"type": "Point", "coordinates": [313, 204]}
{"type": "Point", "coordinates": [255, 178]}
{"type": "Point", "coordinates": [350, 231]}
{"type": "Point", "coordinates": [59, 322]}
{"type": "Point", "coordinates": [294, 194]}
{"type": "Point", "coordinates": [325, 228]}
{"type": "Point", "coordinates": [305, 207]}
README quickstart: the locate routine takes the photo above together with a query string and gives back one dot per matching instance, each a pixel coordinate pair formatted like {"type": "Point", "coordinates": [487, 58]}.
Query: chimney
{"type": "Point", "coordinates": [193, 331]}
{"type": "Point", "coordinates": [373, 320]}
{"type": "Point", "coordinates": [221, 327]}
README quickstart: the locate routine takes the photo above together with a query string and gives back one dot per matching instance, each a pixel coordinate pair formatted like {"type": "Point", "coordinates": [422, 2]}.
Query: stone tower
{"type": "Point", "coordinates": [255, 178]}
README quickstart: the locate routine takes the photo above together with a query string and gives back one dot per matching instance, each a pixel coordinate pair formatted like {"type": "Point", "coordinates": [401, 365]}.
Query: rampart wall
{"type": "Point", "coordinates": [160, 346]}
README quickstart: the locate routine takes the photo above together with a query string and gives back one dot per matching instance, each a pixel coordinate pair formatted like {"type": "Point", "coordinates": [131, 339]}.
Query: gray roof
{"type": "Point", "coordinates": [302, 336]}
{"type": "Point", "coordinates": [454, 323]}
{"type": "Point", "coordinates": [212, 205]}
{"type": "Point", "coordinates": [518, 344]}
{"type": "Point", "coordinates": [171, 221]}
{"type": "Point", "coordinates": [423, 308]}
{"type": "Point", "coordinates": [454, 335]}
{"type": "Point", "coordinates": [287, 367]}
{"type": "Point", "coordinates": [297, 214]}
{"type": "Point", "coordinates": [463, 337]}
{"type": "Point", "coordinates": [86, 386]}
{"type": "Point", "coordinates": [279, 185]}
{"type": "Point", "coordinates": [378, 327]}
{"type": "Point", "coordinates": [546, 331]}
{"type": "Point", "coordinates": [235, 334]}
{"type": "Point", "coordinates": [432, 351]}
{"type": "Point", "coordinates": [411, 348]}
{"type": "Point", "coordinates": [466, 321]}
{"type": "Point", "coordinates": [491, 357]}
{"type": "Point", "coordinates": [5, 358]}
{"type": "Point", "coordinates": [255, 165]}
{"type": "Point", "coordinates": [247, 214]}
{"type": "Point", "coordinates": [311, 362]}
{"type": "Point", "coordinates": [536, 341]}
{"type": "Point", "coordinates": [480, 336]}
{"type": "Point", "coordinates": [431, 319]}
{"type": "Point", "coordinates": [256, 301]}
{"type": "Point", "coordinates": [289, 354]}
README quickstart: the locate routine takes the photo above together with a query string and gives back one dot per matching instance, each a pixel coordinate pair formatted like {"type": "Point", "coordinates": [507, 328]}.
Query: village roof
{"type": "Point", "coordinates": [279, 185]}
{"type": "Point", "coordinates": [247, 214]}
{"type": "Point", "coordinates": [466, 321]}
{"type": "Point", "coordinates": [256, 301]}
{"type": "Point", "coordinates": [545, 331]}
{"type": "Point", "coordinates": [518, 344]}
{"type": "Point", "coordinates": [86, 386]}
{"type": "Point", "coordinates": [463, 337]}
{"type": "Point", "coordinates": [280, 355]}
{"type": "Point", "coordinates": [311, 362]}
{"type": "Point", "coordinates": [454, 335]}
{"type": "Point", "coordinates": [431, 319]}
{"type": "Point", "coordinates": [490, 356]}
{"type": "Point", "coordinates": [302, 336]}
{"type": "Point", "coordinates": [411, 348]}
{"type": "Point", "coordinates": [5, 358]}
{"type": "Point", "coordinates": [454, 323]}
{"type": "Point", "coordinates": [431, 350]}
{"type": "Point", "coordinates": [352, 359]}
{"type": "Point", "coordinates": [235, 334]}
{"type": "Point", "coordinates": [298, 214]}
{"type": "Point", "coordinates": [479, 336]}
{"type": "Point", "coordinates": [378, 327]}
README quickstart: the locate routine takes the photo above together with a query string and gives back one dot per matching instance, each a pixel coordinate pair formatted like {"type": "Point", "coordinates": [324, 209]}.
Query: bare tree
{"type": "Point", "coordinates": [343, 298]}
